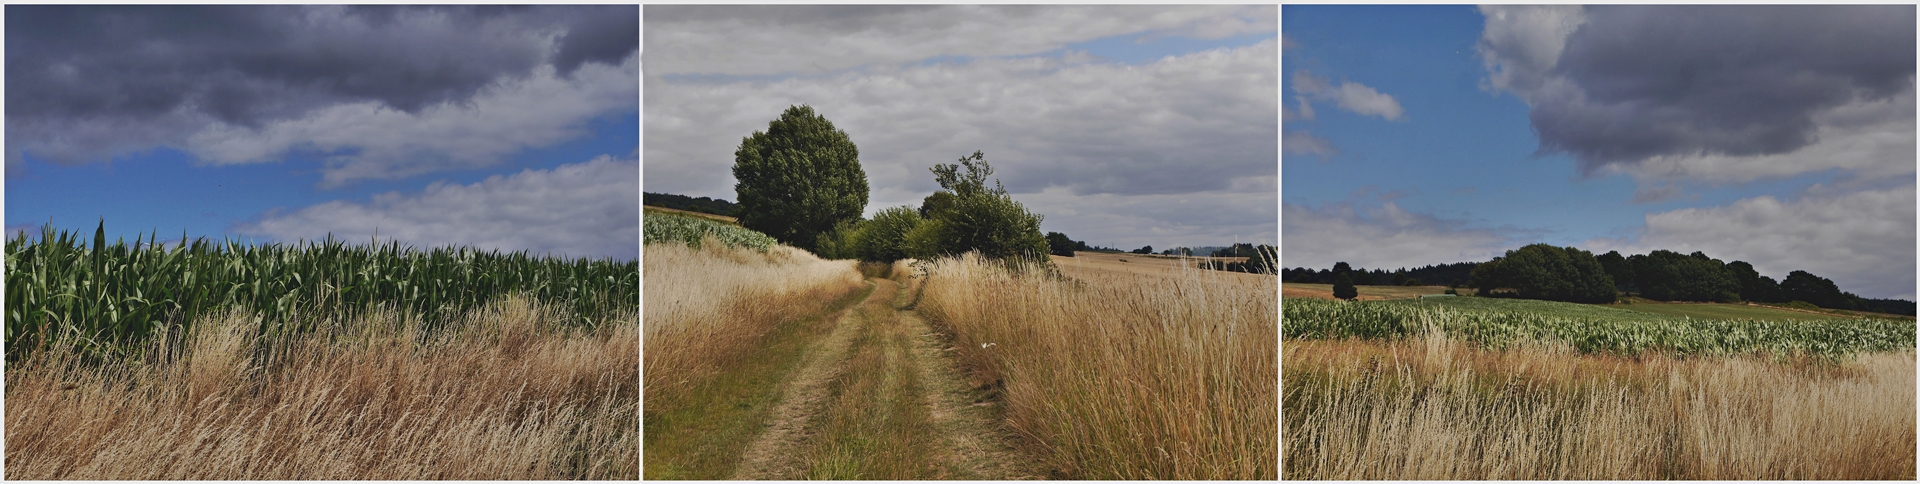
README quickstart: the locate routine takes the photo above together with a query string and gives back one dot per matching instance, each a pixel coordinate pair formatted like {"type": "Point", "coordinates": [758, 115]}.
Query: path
{"type": "Point", "coordinates": [880, 398]}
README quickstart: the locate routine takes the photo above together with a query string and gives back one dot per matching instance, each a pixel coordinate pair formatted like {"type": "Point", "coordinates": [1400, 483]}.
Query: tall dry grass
{"type": "Point", "coordinates": [1122, 376]}
{"type": "Point", "coordinates": [509, 392]}
{"type": "Point", "coordinates": [710, 306]}
{"type": "Point", "coordinates": [1436, 408]}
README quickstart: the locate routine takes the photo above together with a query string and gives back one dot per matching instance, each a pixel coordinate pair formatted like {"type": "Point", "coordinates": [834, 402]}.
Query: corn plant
{"type": "Point", "coordinates": [1591, 329]}
{"type": "Point", "coordinates": [691, 230]}
{"type": "Point", "coordinates": [107, 296]}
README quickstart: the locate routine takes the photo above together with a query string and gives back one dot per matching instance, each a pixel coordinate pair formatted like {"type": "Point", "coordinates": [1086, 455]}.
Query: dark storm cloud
{"type": "Point", "coordinates": [1650, 81]}
{"type": "Point", "coordinates": [155, 74]}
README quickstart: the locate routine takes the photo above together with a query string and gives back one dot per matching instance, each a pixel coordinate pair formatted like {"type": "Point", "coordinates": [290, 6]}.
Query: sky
{"type": "Point", "coordinates": [511, 128]}
{"type": "Point", "coordinates": [1122, 126]}
{"type": "Point", "coordinates": [1783, 136]}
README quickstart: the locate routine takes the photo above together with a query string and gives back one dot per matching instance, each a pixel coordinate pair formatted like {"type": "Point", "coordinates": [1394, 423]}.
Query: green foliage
{"type": "Point", "coordinates": [105, 298]}
{"type": "Point", "coordinates": [1668, 276]}
{"type": "Point", "coordinates": [975, 218]}
{"type": "Point", "coordinates": [1496, 323]}
{"type": "Point", "coordinates": [1343, 287]}
{"type": "Point", "coordinates": [843, 242]}
{"type": "Point", "coordinates": [884, 238]}
{"type": "Point", "coordinates": [1617, 267]}
{"type": "Point", "coordinates": [1803, 305]}
{"type": "Point", "coordinates": [1541, 271]}
{"type": "Point", "coordinates": [690, 204]}
{"type": "Point", "coordinates": [1804, 286]}
{"type": "Point", "coordinates": [1061, 245]}
{"type": "Point", "coordinates": [798, 179]}
{"type": "Point", "coordinates": [690, 230]}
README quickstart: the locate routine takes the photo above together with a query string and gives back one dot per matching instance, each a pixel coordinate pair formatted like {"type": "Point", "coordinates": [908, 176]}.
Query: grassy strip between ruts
{"type": "Point", "coordinates": [703, 434]}
{"type": "Point", "coordinates": [1590, 329]}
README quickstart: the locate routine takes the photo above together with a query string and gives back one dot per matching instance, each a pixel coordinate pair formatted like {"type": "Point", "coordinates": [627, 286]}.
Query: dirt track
{"type": "Point", "coordinates": [967, 445]}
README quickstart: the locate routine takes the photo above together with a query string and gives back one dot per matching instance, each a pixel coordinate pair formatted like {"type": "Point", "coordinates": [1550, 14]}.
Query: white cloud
{"type": "Point", "coordinates": [1301, 142]}
{"type": "Point", "coordinates": [755, 40]}
{"type": "Point", "coordinates": [370, 141]}
{"type": "Point", "coordinates": [1349, 95]}
{"type": "Point", "coordinates": [1522, 42]}
{"type": "Point", "coordinates": [1184, 124]}
{"type": "Point", "coordinates": [1862, 240]}
{"type": "Point", "coordinates": [1382, 237]}
{"type": "Point", "coordinates": [586, 209]}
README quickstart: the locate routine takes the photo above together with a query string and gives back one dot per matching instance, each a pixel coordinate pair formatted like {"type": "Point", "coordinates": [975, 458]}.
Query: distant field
{"type": "Point", "coordinates": [1727, 311]}
{"type": "Point", "coordinates": [1097, 263]}
{"type": "Point", "coordinates": [1367, 293]}
{"type": "Point", "coordinates": [717, 218]}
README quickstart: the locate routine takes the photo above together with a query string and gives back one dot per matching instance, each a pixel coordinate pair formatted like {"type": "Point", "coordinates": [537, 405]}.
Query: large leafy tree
{"type": "Point", "coordinates": [799, 178]}
{"type": "Point", "coordinates": [1665, 275]}
{"type": "Point", "coordinates": [1541, 271]}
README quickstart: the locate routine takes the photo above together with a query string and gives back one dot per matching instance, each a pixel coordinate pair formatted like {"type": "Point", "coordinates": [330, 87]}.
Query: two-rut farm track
{"type": "Point", "coordinates": [879, 397]}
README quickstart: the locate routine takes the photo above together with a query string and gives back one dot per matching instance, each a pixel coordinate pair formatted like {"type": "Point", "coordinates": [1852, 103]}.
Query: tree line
{"type": "Point", "coordinates": [1542, 271]}
{"type": "Point", "coordinates": [691, 204]}
{"type": "Point", "coordinates": [1455, 274]}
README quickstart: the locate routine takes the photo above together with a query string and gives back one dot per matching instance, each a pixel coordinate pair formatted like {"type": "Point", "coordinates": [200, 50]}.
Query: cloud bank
{"type": "Point", "coordinates": [586, 209]}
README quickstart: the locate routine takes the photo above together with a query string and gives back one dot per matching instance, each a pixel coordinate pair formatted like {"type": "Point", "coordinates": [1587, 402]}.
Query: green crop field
{"type": "Point", "coordinates": [1589, 328]}
{"type": "Point", "coordinates": [102, 296]}
{"type": "Point", "coordinates": [662, 226]}
{"type": "Point", "coordinates": [1728, 311]}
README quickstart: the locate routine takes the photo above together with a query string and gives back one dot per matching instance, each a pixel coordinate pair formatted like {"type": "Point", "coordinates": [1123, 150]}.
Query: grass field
{"type": "Point", "coordinates": [321, 361]}
{"type": "Point", "coordinates": [1117, 374]}
{"type": "Point", "coordinates": [1481, 388]}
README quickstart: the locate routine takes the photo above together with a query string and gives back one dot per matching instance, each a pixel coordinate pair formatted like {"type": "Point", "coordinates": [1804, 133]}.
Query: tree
{"type": "Point", "coordinates": [1341, 268]}
{"type": "Point", "coordinates": [1665, 275]}
{"type": "Point", "coordinates": [1059, 244]}
{"type": "Point", "coordinates": [884, 239]}
{"type": "Point", "coordinates": [798, 179]}
{"type": "Point", "coordinates": [1804, 286]}
{"type": "Point", "coordinates": [1343, 287]}
{"type": "Point", "coordinates": [1541, 271]}
{"type": "Point", "coordinates": [1617, 268]}
{"type": "Point", "coordinates": [1144, 250]}
{"type": "Point", "coordinates": [974, 217]}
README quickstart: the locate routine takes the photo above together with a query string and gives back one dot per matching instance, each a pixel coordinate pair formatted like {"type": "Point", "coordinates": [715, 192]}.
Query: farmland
{"type": "Point", "coordinates": [1478, 388]}
{"type": "Point", "coordinates": [778, 364]}
{"type": "Point", "coordinates": [318, 360]}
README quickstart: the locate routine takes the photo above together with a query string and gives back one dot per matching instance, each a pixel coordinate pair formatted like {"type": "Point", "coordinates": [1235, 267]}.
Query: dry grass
{"type": "Point", "coordinates": [1440, 409]}
{"type": "Point", "coordinates": [506, 394]}
{"type": "Point", "coordinates": [707, 308]}
{"type": "Point", "coordinates": [1122, 376]}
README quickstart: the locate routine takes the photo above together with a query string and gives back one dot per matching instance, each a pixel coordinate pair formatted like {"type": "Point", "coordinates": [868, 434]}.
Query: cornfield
{"type": "Point", "coordinates": [104, 297]}
{"type": "Point", "coordinates": [691, 230]}
{"type": "Point", "coordinates": [1590, 329]}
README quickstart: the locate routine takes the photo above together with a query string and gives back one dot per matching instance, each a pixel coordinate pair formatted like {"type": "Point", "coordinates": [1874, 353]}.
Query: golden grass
{"type": "Point", "coordinates": [1441, 409]}
{"type": "Point", "coordinates": [1122, 376]}
{"type": "Point", "coordinates": [505, 394]}
{"type": "Point", "coordinates": [707, 308]}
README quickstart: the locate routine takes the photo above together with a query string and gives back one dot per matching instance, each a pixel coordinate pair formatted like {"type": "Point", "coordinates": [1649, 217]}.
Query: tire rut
{"type": "Point", "coordinates": [973, 443]}
{"type": "Point", "coordinates": [969, 443]}
{"type": "Point", "coordinates": [773, 454]}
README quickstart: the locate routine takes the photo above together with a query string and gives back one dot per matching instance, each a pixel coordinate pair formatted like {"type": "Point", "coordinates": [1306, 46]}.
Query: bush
{"type": "Point", "coordinates": [975, 218]}
{"type": "Point", "coordinates": [884, 239]}
{"type": "Point", "coordinates": [843, 242]}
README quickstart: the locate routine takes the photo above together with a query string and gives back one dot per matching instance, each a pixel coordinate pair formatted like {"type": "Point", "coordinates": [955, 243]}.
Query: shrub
{"type": "Point", "coordinates": [843, 242]}
{"type": "Point", "coordinates": [885, 237]}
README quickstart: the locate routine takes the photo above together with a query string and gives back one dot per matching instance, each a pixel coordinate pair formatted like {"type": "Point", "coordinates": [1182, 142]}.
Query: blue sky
{"type": "Point", "coordinates": [1418, 135]}
{"type": "Point", "coordinates": [1122, 126]}
{"type": "Point", "coordinates": [512, 129]}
